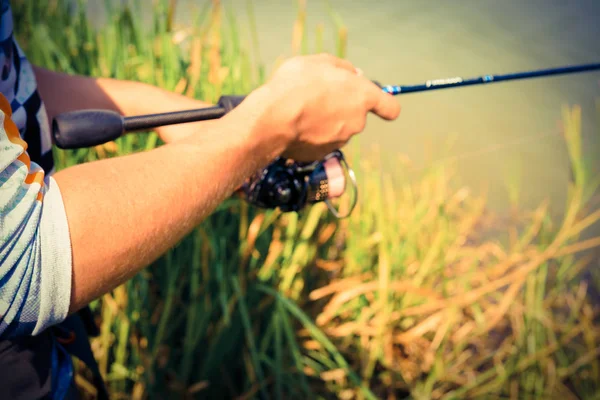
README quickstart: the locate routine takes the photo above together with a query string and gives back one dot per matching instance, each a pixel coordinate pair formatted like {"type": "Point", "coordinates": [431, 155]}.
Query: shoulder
{"type": "Point", "coordinates": [19, 87]}
{"type": "Point", "coordinates": [34, 239]}
{"type": "Point", "coordinates": [16, 168]}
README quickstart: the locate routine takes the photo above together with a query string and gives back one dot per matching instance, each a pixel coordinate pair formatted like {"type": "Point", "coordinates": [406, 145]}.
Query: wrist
{"type": "Point", "coordinates": [270, 119]}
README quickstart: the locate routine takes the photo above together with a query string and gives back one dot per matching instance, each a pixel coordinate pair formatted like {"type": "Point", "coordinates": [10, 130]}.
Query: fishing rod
{"type": "Point", "coordinates": [284, 184]}
{"type": "Point", "coordinates": [86, 128]}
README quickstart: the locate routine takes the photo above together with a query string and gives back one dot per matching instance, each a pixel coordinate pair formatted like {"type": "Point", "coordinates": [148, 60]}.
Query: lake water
{"type": "Point", "coordinates": [498, 126]}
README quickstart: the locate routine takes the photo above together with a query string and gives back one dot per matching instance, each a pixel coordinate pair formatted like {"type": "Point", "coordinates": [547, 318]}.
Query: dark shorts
{"type": "Point", "coordinates": [26, 365]}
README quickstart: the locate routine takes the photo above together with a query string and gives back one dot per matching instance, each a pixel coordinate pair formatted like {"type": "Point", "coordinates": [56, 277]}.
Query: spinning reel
{"type": "Point", "coordinates": [291, 186]}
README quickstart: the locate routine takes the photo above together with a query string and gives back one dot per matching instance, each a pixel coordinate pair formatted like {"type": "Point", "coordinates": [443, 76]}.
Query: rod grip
{"type": "Point", "coordinates": [86, 128]}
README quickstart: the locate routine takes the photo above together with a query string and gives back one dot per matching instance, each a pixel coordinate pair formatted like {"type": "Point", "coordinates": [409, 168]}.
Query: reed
{"type": "Point", "coordinates": [410, 297]}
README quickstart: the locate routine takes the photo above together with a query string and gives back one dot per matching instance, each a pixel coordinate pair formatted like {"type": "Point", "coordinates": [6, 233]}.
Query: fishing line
{"type": "Point", "coordinates": [493, 148]}
{"type": "Point", "coordinates": [455, 82]}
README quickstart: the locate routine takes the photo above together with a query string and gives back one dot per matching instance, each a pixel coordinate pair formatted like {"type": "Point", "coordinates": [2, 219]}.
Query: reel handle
{"type": "Point", "coordinates": [87, 128]}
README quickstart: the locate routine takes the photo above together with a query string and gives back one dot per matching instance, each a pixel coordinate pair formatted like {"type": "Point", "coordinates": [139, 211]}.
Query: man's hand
{"type": "Point", "coordinates": [319, 102]}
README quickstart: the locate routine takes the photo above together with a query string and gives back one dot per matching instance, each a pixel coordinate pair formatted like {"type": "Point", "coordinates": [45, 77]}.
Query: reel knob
{"type": "Point", "coordinates": [284, 195]}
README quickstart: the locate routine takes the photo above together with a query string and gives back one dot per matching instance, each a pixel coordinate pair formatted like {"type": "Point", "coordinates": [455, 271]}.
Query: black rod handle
{"type": "Point", "coordinates": [86, 128]}
{"type": "Point", "coordinates": [152, 121]}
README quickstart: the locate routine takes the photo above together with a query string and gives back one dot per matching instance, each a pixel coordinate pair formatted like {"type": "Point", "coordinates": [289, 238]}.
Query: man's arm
{"type": "Point", "coordinates": [125, 97]}
{"type": "Point", "coordinates": [125, 212]}
{"type": "Point", "coordinates": [68, 239]}
{"type": "Point", "coordinates": [115, 216]}
{"type": "Point", "coordinates": [35, 253]}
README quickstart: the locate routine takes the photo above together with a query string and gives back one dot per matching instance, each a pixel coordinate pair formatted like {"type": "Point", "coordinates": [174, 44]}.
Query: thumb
{"type": "Point", "coordinates": [383, 104]}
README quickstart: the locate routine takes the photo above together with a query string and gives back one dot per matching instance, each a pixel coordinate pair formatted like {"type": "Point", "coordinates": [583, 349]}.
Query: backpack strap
{"type": "Point", "coordinates": [62, 372]}
{"type": "Point", "coordinates": [72, 335]}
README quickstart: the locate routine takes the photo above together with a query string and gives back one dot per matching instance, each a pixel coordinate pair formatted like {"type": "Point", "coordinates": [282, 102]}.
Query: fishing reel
{"type": "Point", "coordinates": [291, 186]}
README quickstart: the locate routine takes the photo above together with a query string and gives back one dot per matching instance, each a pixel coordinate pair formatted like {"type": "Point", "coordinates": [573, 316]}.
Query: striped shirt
{"type": "Point", "coordinates": [35, 252]}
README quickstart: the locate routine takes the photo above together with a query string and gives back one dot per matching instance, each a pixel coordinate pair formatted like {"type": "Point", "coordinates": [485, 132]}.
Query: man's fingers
{"type": "Point", "coordinates": [382, 103]}
{"type": "Point", "coordinates": [387, 107]}
{"type": "Point", "coordinates": [337, 62]}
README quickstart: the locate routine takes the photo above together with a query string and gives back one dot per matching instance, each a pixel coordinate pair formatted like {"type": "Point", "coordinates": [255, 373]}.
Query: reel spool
{"type": "Point", "coordinates": [291, 186]}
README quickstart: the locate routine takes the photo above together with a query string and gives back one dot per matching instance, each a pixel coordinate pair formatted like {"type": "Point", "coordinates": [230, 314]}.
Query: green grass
{"type": "Point", "coordinates": [409, 297]}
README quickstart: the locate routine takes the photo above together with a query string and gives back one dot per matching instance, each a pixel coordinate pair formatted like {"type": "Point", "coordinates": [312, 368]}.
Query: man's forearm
{"type": "Point", "coordinates": [125, 97]}
{"type": "Point", "coordinates": [125, 212]}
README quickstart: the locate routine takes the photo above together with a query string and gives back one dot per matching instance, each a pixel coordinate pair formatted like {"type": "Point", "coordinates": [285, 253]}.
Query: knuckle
{"type": "Point", "coordinates": [357, 126]}
{"type": "Point", "coordinates": [296, 60]}
{"type": "Point", "coordinates": [370, 99]}
{"type": "Point", "coordinates": [329, 58]}
{"type": "Point", "coordinates": [365, 101]}
{"type": "Point", "coordinates": [342, 129]}
{"type": "Point", "coordinates": [361, 124]}
{"type": "Point", "coordinates": [349, 130]}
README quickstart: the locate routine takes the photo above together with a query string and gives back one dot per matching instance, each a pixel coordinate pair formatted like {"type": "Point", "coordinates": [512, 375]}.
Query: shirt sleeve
{"type": "Point", "coordinates": [35, 246]}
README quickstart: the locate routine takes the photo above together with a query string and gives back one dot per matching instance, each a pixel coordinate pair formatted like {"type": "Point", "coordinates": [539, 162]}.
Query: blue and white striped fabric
{"type": "Point", "coordinates": [35, 252]}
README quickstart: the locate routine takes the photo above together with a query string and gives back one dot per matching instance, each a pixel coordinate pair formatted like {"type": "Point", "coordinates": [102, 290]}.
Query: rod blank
{"type": "Point", "coordinates": [445, 83]}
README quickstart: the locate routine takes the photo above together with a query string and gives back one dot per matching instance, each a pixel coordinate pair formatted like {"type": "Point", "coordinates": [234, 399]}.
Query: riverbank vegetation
{"type": "Point", "coordinates": [423, 293]}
